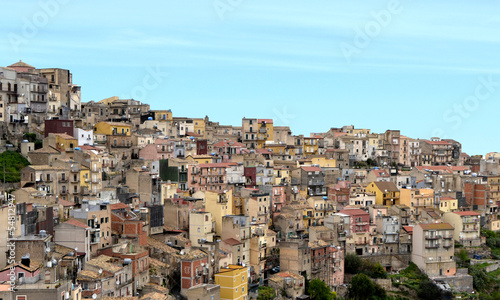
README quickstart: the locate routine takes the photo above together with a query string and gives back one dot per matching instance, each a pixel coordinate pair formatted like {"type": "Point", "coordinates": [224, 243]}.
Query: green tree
{"type": "Point", "coordinates": [378, 271]}
{"type": "Point", "coordinates": [318, 290]}
{"type": "Point", "coordinates": [361, 288]}
{"type": "Point", "coordinates": [352, 263]}
{"type": "Point", "coordinates": [14, 162]}
{"type": "Point", "coordinates": [428, 290]}
{"type": "Point", "coordinates": [266, 293]}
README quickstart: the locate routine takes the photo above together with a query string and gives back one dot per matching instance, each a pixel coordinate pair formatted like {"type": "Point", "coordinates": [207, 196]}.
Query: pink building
{"type": "Point", "coordinates": [26, 272]}
{"type": "Point", "coordinates": [209, 177]}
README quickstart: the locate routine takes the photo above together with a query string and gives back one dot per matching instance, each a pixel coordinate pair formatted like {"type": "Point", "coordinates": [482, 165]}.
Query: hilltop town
{"type": "Point", "coordinates": [111, 200]}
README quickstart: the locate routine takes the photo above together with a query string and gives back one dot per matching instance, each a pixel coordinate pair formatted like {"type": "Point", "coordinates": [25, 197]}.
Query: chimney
{"type": "Point", "coordinates": [25, 260]}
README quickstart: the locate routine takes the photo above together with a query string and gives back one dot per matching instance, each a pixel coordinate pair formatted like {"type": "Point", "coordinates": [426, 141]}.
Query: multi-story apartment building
{"type": "Point", "coordinates": [389, 227]}
{"type": "Point", "coordinates": [265, 132]}
{"type": "Point", "coordinates": [201, 228]}
{"type": "Point", "coordinates": [257, 206]}
{"type": "Point", "coordinates": [219, 204]}
{"type": "Point", "coordinates": [433, 249]}
{"type": "Point", "coordinates": [295, 256]}
{"type": "Point", "coordinates": [447, 204]}
{"type": "Point", "coordinates": [415, 152]}
{"type": "Point", "coordinates": [392, 145]}
{"type": "Point", "coordinates": [194, 270]}
{"type": "Point", "coordinates": [359, 230]}
{"type": "Point", "coordinates": [211, 177]}
{"type": "Point", "coordinates": [417, 199]}
{"type": "Point", "coordinates": [436, 152]}
{"type": "Point", "coordinates": [238, 228]}
{"type": "Point", "coordinates": [386, 193]}
{"type": "Point", "coordinates": [98, 218]}
{"type": "Point", "coordinates": [291, 283]}
{"type": "Point", "coordinates": [233, 282]}
{"type": "Point", "coordinates": [47, 179]}
{"type": "Point", "coordinates": [405, 150]}
{"type": "Point", "coordinates": [467, 227]}
{"type": "Point", "coordinates": [249, 132]}
{"type": "Point", "coordinates": [63, 94]}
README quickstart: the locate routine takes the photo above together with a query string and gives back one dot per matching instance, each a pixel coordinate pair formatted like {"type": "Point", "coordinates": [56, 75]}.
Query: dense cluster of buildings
{"type": "Point", "coordinates": [124, 201]}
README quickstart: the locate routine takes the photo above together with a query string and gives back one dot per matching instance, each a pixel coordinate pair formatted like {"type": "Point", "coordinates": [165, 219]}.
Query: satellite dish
{"type": "Point", "coordinates": [94, 296]}
{"type": "Point", "coordinates": [100, 271]}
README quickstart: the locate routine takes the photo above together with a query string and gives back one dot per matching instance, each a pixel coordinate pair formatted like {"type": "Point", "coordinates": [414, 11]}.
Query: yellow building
{"type": "Point", "coordinates": [112, 128]}
{"type": "Point", "coordinates": [233, 282]}
{"type": "Point", "coordinates": [386, 192]}
{"type": "Point", "coordinates": [324, 162]}
{"type": "Point", "coordinates": [85, 178]}
{"type": "Point", "coordinates": [278, 149]}
{"type": "Point", "coordinates": [311, 145]}
{"type": "Point", "coordinates": [163, 115]}
{"type": "Point", "coordinates": [199, 126]}
{"type": "Point", "coordinates": [219, 204]}
{"type": "Point", "coordinates": [199, 159]}
{"type": "Point", "coordinates": [417, 199]}
{"type": "Point", "coordinates": [168, 190]}
{"type": "Point", "coordinates": [265, 132]}
{"type": "Point", "coordinates": [281, 175]}
{"type": "Point", "coordinates": [448, 204]}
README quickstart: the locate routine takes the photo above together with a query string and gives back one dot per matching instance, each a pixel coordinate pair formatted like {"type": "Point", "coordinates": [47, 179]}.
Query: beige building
{"type": "Point", "coordinates": [433, 249]}
{"type": "Point", "coordinates": [238, 228]}
{"type": "Point", "coordinates": [417, 199]}
{"type": "Point", "coordinates": [290, 282]}
{"type": "Point", "coordinates": [204, 292]}
{"type": "Point", "coordinates": [201, 228]}
{"type": "Point", "coordinates": [295, 256]}
{"type": "Point", "coordinates": [219, 204]}
{"type": "Point", "coordinates": [467, 227]}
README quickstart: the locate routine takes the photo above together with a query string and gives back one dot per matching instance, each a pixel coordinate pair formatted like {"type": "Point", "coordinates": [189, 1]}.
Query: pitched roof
{"type": "Point", "coordinates": [381, 173]}
{"type": "Point", "coordinates": [65, 202]}
{"type": "Point", "coordinates": [232, 241]}
{"type": "Point", "coordinates": [217, 165]}
{"type": "Point", "coordinates": [408, 229]}
{"type": "Point", "coordinates": [436, 226]}
{"type": "Point", "coordinates": [120, 205]}
{"type": "Point", "coordinates": [467, 213]}
{"type": "Point", "coordinates": [21, 64]}
{"type": "Point", "coordinates": [46, 150]}
{"type": "Point", "coordinates": [386, 185]}
{"type": "Point", "coordinates": [311, 169]}
{"type": "Point", "coordinates": [437, 142]}
{"type": "Point", "coordinates": [76, 223]}
{"type": "Point", "coordinates": [353, 212]}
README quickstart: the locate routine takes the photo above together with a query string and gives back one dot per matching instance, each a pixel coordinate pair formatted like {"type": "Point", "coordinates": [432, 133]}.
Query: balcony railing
{"type": "Point", "coordinates": [63, 180]}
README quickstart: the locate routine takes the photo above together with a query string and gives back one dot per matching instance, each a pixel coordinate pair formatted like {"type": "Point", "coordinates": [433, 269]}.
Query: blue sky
{"type": "Point", "coordinates": [422, 67]}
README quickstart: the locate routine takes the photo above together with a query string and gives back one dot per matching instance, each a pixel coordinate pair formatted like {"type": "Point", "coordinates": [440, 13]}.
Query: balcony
{"type": "Point", "coordinates": [63, 180]}
{"type": "Point", "coordinates": [64, 192]}
{"type": "Point", "coordinates": [432, 237]}
{"type": "Point", "coordinates": [447, 237]}
{"type": "Point", "coordinates": [434, 246]}
{"type": "Point", "coordinates": [96, 181]}
{"type": "Point", "coordinates": [447, 246]}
